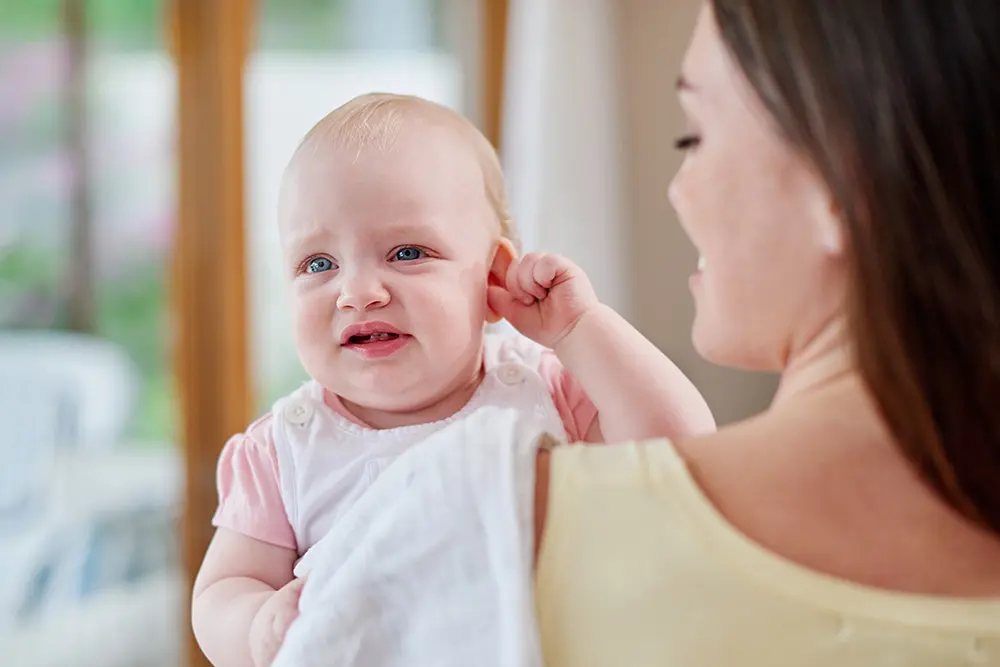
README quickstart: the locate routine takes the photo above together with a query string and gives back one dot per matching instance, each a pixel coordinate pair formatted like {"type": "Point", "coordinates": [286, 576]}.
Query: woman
{"type": "Point", "coordinates": [842, 183]}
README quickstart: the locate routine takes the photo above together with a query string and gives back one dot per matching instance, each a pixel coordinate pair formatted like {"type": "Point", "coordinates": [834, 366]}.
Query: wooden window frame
{"type": "Point", "coordinates": [210, 42]}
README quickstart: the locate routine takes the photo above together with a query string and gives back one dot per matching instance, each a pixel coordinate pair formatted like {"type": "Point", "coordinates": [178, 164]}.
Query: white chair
{"type": "Point", "coordinates": [93, 380]}
{"type": "Point", "coordinates": [29, 410]}
{"type": "Point", "coordinates": [86, 522]}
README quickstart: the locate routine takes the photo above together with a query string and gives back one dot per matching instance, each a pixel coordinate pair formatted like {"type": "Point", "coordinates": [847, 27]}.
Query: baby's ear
{"type": "Point", "coordinates": [503, 256]}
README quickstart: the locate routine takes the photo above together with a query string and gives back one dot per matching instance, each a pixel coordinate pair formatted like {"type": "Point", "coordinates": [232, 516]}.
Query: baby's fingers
{"type": "Point", "coordinates": [283, 620]}
{"type": "Point", "coordinates": [546, 271]}
{"type": "Point", "coordinates": [501, 301]}
{"type": "Point", "coordinates": [289, 608]}
{"type": "Point", "coordinates": [514, 286]}
{"type": "Point", "coordinates": [527, 273]}
{"type": "Point", "coordinates": [295, 585]}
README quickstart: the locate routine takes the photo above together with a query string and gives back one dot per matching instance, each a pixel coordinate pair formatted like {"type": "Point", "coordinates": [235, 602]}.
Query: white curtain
{"type": "Point", "coordinates": [562, 136]}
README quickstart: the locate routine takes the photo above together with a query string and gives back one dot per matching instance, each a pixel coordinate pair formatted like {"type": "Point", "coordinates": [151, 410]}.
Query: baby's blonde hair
{"type": "Point", "coordinates": [375, 120]}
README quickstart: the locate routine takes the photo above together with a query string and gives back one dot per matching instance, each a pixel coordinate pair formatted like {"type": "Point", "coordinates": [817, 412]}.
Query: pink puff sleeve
{"type": "Point", "coordinates": [249, 488]}
{"type": "Point", "coordinates": [578, 413]}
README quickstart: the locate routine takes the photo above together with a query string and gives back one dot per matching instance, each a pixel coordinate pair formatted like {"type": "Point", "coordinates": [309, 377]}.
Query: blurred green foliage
{"type": "Point", "coordinates": [127, 22]}
{"type": "Point", "coordinates": [138, 24]}
{"type": "Point", "coordinates": [134, 313]}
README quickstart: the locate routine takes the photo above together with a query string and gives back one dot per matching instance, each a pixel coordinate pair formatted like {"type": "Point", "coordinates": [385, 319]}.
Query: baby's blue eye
{"type": "Point", "coordinates": [408, 254]}
{"type": "Point", "coordinates": [319, 265]}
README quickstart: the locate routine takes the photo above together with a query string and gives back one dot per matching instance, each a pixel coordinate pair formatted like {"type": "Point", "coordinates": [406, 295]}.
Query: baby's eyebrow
{"type": "Point", "coordinates": [413, 232]}
{"type": "Point", "coordinates": [305, 235]}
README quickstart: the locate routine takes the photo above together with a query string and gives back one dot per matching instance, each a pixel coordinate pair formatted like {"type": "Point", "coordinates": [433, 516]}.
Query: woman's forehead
{"type": "Point", "coordinates": [707, 71]}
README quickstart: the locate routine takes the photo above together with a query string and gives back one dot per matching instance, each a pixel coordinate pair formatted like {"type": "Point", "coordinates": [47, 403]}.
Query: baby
{"type": "Point", "coordinates": [399, 250]}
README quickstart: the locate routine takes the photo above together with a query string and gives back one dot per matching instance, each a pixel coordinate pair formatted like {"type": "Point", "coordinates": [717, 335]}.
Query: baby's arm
{"type": "Point", "coordinates": [637, 390]}
{"type": "Point", "coordinates": [245, 596]}
{"type": "Point", "coordinates": [236, 587]}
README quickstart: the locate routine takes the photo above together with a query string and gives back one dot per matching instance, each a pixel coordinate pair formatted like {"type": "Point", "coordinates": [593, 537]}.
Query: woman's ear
{"type": "Point", "coordinates": [829, 226]}
{"type": "Point", "coordinates": [503, 256]}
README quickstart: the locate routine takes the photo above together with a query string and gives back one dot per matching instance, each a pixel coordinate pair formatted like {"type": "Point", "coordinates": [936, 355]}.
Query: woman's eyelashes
{"type": "Point", "coordinates": [687, 142]}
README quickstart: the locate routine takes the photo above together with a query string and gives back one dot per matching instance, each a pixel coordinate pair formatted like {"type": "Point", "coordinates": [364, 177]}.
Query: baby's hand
{"type": "Point", "coordinates": [267, 631]}
{"type": "Point", "coordinates": [544, 297]}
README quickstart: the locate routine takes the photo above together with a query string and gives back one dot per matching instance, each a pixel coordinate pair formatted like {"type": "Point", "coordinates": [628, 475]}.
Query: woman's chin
{"type": "Point", "coordinates": [712, 343]}
{"type": "Point", "coordinates": [705, 339]}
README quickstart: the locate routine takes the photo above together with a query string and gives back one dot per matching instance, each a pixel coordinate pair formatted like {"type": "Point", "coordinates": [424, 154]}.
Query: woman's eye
{"type": "Point", "coordinates": [319, 265]}
{"type": "Point", "coordinates": [687, 142]}
{"type": "Point", "coordinates": [408, 254]}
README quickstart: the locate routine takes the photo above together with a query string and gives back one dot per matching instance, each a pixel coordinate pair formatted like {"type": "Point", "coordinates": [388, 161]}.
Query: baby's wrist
{"type": "Point", "coordinates": [579, 330]}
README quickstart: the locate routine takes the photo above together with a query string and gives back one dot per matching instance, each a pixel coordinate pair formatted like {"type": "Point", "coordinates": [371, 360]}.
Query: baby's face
{"type": "Point", "coordinates": [389, 255]}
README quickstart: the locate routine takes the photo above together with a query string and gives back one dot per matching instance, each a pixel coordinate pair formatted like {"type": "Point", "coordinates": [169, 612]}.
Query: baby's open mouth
{"type": "Point", "coordinates": [372, 338]}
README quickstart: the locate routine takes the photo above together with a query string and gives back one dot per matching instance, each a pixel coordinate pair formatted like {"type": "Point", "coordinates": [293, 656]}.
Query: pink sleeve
{"type": "Point", "coordinates": [249, 488]}
{"type": "Point", "coordinates": [577, 412]}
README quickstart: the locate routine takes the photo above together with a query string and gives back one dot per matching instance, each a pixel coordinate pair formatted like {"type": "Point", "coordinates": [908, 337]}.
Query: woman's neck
{"type": "Point", "coordinates": [822, 363]}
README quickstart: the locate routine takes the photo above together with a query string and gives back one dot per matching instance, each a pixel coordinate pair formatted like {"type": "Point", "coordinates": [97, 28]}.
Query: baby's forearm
{"type": "Point", "coordinates": [221, 617]}
{"type": "Point", "coordinates": [639, 392]}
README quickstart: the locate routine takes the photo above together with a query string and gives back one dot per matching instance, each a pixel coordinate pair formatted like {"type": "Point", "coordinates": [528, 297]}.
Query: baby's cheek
{"type": "Point", "coordinates": [474, 281]}
{"type": "Point", "coordinates": [308, 321]}
{"type": "Point", "coordinates": [454, 309]}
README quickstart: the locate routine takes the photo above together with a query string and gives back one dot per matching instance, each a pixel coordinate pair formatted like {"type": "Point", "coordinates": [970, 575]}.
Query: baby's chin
{"type": "Point", "coordinates": [388, 396]}
{"type": "Point", "coordinates": [389, 401]}
{"type": "Point", "coordinates": [407, 403]}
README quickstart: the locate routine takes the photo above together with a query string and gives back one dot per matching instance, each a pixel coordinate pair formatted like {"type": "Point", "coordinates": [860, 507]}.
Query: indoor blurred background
{"type": "Point", "coordinates": [142, 317]}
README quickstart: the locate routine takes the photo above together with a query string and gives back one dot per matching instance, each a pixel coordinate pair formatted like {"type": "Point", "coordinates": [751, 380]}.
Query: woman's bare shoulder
{"type": "Point", "coordinates": [749, 471]}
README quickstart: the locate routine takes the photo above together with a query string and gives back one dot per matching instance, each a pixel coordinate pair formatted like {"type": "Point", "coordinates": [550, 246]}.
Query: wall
{"type": "Point", "coordinates": [652, 39]}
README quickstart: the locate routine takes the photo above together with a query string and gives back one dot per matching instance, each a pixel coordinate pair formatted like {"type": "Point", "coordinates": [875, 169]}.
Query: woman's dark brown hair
{"type": "Point", "coordinates": [896, 104]}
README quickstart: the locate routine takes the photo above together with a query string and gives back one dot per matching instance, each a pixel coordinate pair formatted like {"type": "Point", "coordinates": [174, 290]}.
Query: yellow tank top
{"type": "Point", "coordinates": [639, 569]}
